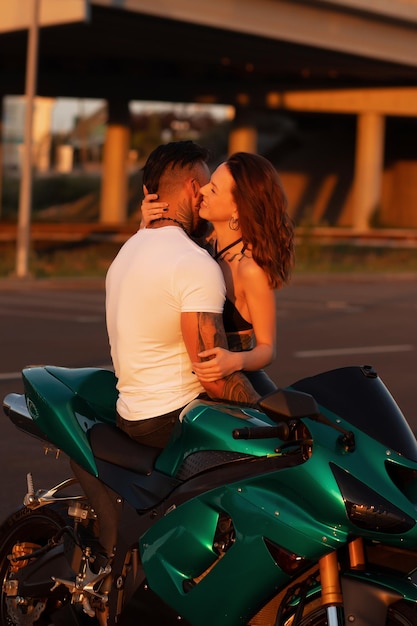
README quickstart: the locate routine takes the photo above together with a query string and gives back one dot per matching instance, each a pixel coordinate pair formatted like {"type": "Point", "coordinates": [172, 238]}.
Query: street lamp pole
{"type": "Point", "coordinates": [25, 196]}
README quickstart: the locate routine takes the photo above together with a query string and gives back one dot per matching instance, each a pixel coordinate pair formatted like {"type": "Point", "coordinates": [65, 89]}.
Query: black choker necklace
{"type": "Point", "coordinates": [169, 219]}
{"type": "Point", "coordinates": [223, 250]}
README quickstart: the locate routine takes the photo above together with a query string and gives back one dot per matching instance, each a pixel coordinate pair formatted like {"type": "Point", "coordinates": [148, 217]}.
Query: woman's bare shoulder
{"type": "Point", "coordinates": [250, 271]}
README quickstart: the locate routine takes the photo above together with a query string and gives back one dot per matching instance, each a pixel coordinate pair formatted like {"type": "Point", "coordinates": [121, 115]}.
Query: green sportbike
{"type": "Point", "coordinates": [301, 511]}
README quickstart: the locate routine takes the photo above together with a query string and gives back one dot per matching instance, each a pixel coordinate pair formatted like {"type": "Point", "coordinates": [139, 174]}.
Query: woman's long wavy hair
{"type": "Point", "coordinates": [266, 227]}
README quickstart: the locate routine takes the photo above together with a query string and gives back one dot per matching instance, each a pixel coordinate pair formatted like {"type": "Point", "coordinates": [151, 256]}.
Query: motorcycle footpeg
{"type": "Point", "coordinates": [35, 499]}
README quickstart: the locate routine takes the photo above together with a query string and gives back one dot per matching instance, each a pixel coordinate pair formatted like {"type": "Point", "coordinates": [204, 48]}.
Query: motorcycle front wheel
{"type": "Point", "coordinates": [26, 530]}
{"type": "Point", "coordinates": [399, 614]}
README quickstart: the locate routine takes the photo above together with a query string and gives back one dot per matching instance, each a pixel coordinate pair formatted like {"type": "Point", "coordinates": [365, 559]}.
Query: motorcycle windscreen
{"type": "Point", "coordinates": [359, 396]}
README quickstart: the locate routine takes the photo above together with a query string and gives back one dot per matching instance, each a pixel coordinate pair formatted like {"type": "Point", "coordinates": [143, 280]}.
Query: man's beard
{"type": "Point", "coordinates": [195, 225]}
{"type": "Point", "coordinates": [184, 215]}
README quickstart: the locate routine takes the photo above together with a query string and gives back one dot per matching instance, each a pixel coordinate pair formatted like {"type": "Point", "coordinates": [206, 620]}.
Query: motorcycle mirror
{"type": "Point", "coordinates": [288, 404]}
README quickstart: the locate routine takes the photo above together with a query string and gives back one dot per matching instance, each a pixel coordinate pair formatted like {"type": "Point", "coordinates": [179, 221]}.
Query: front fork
{"type": "Point", "coordinates": [331, 590]}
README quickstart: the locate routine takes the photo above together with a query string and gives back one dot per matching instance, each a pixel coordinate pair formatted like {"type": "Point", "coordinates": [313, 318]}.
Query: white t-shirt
{"type": "Point", "coordinates": [157, 275]}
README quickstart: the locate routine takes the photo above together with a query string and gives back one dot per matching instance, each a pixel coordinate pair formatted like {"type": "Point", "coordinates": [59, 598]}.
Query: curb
{"type": "Point", "coordinates": [97, 284]}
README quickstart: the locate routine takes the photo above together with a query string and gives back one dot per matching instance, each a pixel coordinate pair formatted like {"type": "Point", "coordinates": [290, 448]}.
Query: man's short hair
{"type": "Point", "coordinates": [176, 154]}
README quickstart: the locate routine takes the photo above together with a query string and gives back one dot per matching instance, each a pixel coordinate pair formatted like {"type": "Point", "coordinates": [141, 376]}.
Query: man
{"type": "Point", "coordinates": [164, 303]}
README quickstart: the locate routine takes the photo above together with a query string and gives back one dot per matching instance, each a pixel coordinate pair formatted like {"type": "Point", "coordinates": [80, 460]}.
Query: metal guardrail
{"type": "Point", "coordinates": [71, 232]}
{"type": "Point", "coordinates": [388, 237]}
{"type": "Point", "coordinates": [95, 232]}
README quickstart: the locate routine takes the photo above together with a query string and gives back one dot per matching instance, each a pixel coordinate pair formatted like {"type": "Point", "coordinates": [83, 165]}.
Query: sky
{"type": "Point", "coordinates": [67, 109]}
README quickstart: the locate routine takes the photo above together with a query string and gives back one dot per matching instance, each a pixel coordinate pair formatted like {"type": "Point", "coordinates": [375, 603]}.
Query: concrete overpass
{"type": "Point", "coordinates": [355, 57]}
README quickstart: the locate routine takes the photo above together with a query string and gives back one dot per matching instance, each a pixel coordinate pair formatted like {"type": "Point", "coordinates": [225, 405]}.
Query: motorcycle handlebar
{"type": "Point", "coordinates": [281, 431]}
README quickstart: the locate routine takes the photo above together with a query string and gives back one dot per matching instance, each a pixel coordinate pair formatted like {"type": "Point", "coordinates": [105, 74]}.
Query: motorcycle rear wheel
{"type": "Point", "coordinates": [399, 614]}
{"type": "Point", "coordinates": [35, 527]}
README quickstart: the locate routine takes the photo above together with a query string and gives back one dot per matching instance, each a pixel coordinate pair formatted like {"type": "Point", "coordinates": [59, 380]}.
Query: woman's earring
{"type": "Point", "coordinates": [234, 223]}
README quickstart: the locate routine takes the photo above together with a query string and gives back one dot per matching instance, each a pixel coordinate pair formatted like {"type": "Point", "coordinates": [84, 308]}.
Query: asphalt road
{"type": "Point", "coordinates": [323, 323]}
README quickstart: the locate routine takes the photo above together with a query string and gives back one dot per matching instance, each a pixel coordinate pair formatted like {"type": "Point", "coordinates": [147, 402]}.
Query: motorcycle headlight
{"type": "Point", "coordinates": [367, 509]}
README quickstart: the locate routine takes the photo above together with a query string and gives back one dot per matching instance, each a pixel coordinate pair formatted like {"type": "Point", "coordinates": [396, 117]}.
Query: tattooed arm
{"type": "Point", "coordinates": [202, 331]}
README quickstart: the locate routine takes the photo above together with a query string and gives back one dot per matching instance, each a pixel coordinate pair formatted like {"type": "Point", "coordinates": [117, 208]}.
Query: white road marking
{"type": "Point", "coordinates": [45, 315]}
{"type": "Point", "coordinates": [308, 354]}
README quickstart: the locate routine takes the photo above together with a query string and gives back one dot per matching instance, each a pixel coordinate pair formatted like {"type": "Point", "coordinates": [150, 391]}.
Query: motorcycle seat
{"type": "Point", "coordinates": [111, 444]}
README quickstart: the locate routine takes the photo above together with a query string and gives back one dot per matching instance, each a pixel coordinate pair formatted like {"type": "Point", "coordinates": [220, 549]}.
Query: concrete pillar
{"type": "Point", "coordinates": [243, 139]}
{"type": "Point", "coordinates": [114, 187]}
{"type": "Point", "coordinates": [243, 136]}
{"type": "Point", "coordinates": [369, 161]}
{"type": "Point", "coordinates": [1, 155]}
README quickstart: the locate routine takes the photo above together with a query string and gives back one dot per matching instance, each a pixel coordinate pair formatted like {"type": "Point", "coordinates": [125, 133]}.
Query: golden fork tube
{"type": "Point", "coordinates": [356, 554]}
{"type": "Point", "coordinates": [329, 576]}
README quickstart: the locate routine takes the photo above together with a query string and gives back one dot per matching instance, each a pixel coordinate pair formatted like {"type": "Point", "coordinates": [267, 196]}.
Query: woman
{"type": "Point", "coordinates": [253, 241]}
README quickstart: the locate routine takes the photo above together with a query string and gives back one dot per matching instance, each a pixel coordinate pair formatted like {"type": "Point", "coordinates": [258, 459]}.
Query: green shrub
{"type": "Point", "coordinates": [47, 191]}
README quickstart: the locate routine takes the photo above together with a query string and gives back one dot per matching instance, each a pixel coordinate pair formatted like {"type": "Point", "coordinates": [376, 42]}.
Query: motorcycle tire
{"type": "Point", "coordinates": [35, 527]}
{"type": "Point", "coordinates": [401, 613]}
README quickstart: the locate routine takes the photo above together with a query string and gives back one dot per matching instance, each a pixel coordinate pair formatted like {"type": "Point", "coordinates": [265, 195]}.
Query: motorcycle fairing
{"type": "Point", "coordinates": [175, 551]}
{"type": "Point", "coordinates": [209, 426]}
{"type": "Point", "coordinates": [182, 552]}
{"type": "Point", "coordinates": [64, 404]}
{"type": "Point", "coordinates": [291, 508]}
{"type": "Point", "coordinates": [367, 595]}
{"type": "Point", "coordinates": [146, 491]}
{"type": "Point", "coordinates": [359, 396]}
{"type": "Point", "coordinates": [95, 386]}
